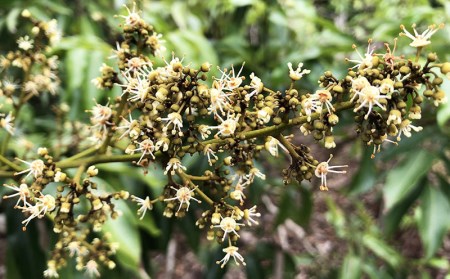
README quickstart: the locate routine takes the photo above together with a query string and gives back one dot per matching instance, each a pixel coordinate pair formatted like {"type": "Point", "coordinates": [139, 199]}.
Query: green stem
{"type": "Point", "coordinates": [10, 164]}
{"type": "Point", "coordinates": [288, 146]}
{"type": "Point", "coordinates": [80, 155]}
{"type": "Point", "coordinates": [116, 120]}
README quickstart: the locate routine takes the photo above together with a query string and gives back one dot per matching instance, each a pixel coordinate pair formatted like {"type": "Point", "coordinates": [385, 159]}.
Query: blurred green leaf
{"type": "Point", "coordinates": [382, 250]}
{"type": "Point", "coordinates": [402, 179]}
{"type": "Point", "coordinates": [11, 19]}
{"type": "Point", "coordinates": [366, 176]}
{"type": "Point", "coordinates": [433, 224]}
{"type": "Point", "coordinates": [351, 267]}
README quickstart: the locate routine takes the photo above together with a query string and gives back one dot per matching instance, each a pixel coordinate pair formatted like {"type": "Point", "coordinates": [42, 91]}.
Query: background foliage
{"type": "Point", "coordinates": [387, 219]}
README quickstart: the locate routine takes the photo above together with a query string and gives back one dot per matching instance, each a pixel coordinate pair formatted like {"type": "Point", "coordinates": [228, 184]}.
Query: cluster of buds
{"type": "Point", "coordinates": [169, 109]}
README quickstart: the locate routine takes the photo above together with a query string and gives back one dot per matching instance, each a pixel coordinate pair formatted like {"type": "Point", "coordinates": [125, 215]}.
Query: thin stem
{"type": "Point", "coordinates": [288, 146]}
{"type": "Point", "coordinates": [116, 120]}
{"type": "Point", "coordinates": [10, 164]}
{"type": "Point", "coordinates": [80, 155]}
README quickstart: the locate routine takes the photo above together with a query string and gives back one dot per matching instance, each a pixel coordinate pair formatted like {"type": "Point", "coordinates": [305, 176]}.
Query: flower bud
{"type": "Point", "coordinates": [92, 171]}
{"type": "Point", "coordinates": [445, 68]}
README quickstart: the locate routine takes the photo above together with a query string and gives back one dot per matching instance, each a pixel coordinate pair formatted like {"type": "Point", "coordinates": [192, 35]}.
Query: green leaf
{"type": "Point", "coordinates": [11, 19]}
{"type": "Point", "coordinates": [402, 179]}
{"type": "Point", "coordinates": [443, 115]}
{"type": "Point", "coordinates": [365, 178]}
{"type": "Point", "coordinates": [433, 222]}
{"type": "Point", "coordinates": [382, 250]}
{"type": "Point", "coordinates": [351, 267]}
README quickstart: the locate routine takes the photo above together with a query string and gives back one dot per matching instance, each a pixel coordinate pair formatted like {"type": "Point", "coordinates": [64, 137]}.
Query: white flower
{"type": "Point", "coordinates": [92, 268]}
{"type": "Point", "coordinates": [175, 119]}
{"type": "Point", "coordinates": [146, 147]}
{"type": "Point", "coordinates": [43, 205]}
{"type": "Point", "coordinates": [8, 123]}
{"type": "Point", "coordinates": [231, 251]}
{"type": "Point", "coordinates": [219, 100]}
{"type": "Point", "coordinates": [370, 96]}
{"type": "Point", "coordinates": [395, 117]}
{"type": "Point", "coordinates": [228, 126]}
{"type": "Point", "coordinates": [310, 105]}
{"type": "Point", "coordinates": [74, 248]}
{"type": "Point", "coordinates": [210, 153]}
{"type": "Point", "coordinates": [264, 114]}
{"type": "Point", "coordinates": [25, 43]}
{"type": "Point", "coordinates": [174, 165]}
{"type": "Point", "coordinates": [324, 96]}
{"type": "Point", "coordinates": [238, 193]}
{"type": "Point", "coordinates": [51, 272]}
{"type": "Point", "coordinates": [255, 84]}
{"type": "Point", "coordinates": [133, 19]}
{"type": "Point", "coordinates": [359, 84]}
{"type": "Point", "coordinates": [137, 63]}
{"type": "Point", "coordinates": [420, 40]}
{"type": "Point", "coordinates": [249, 214]}
{"type": "Point", "coordinates": [100, 115]}
{"type": "Point", "coordinates": [366, 61]}
{"type": "Point", "coordinates": [406, 127]}
{"type": "Point", "coordinates": [22, 191]}
{"type": "Point", "coordinates": [255, 172]}
{"type": "Point", "coordinates": [145, 204]}
{"type": "Point", "coordinates": [323, 169]}
{"type": "Point", "coordinates": [228, 225]}
{"type": "Point", "coordinates": [163, 142]}
{"type": "Point", "coordinates": [156, 42]}
{"type": "Point", "coordinates": [298, 73]}
{"type": "Point", "coordinates": [232, 80]}
{"type": "Point", "coordinates": [204, 131]}
{"type": "Point", "coordinates": [137, 84]}
{"type": "Point", "coordinates": [36, 168]}
{"type": "Point", "coordinates": [183, 195]}
{"type": "Point", "coordinates": [131, 128]}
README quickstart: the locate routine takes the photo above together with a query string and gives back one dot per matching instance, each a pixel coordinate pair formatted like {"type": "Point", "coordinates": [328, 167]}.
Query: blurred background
{"type": "Point", "coordinates": [389, 217]}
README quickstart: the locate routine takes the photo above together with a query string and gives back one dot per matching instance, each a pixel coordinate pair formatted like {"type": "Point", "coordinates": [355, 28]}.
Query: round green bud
{"type": "Point", "coordinates": [404, 70]}
{"type": "Point", "coordinates": [432, 57]}
{"type": "Point", "coordinates": [445, 68]}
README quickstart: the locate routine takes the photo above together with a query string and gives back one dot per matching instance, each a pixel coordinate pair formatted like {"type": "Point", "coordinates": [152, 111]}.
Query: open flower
{"type": "Point", "coordinates": [8, 123]}
{"type": "Point", "coordinates": [146, 147]}
{"type": "Point", "coordinates": [92, 268]}
{"type": "Point", "coordinates": [145, 204]}
{"type": "Point", "coordinates": [231, 251]}
{"type": "Point", "coordinates": [43, 205]}
{"type": "Point", "coordinates": [175, 119]}
{"type": "Point", "coordinates": [228, 225]}
{"type": "Point", "coordinates": [22, 191]}
{"type": "Point", "coordinates": [405, 129]}
{"type": "Point", "coordinates": [420, 40]}
{"type": "Point", "coordinates": [297, 73]}
{"type": "Point", "coordinates": [173, 166]}
{"type": "Point", "coordinates": [323, 169]}
{"type": "Point", "coordinates": [370, 96]}
{"type": "Point", "coordinates": [249, 214]}
{"type": "Point", "coordinates": [366, 60]}
{"type": "Point", "coordinates": [183, 195]}
{"type": "Point", "coordinates": [36, 168]}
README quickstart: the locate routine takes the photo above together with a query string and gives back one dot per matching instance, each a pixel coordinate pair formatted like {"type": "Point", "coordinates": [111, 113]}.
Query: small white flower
{"type": "Point", "coordinates": [370, 96]}
{"type": "Point", "coordinates": [210, 153]}
{"type": "Point", "coordinates": [310, 105]}
{"type": "Point", "coordinates": [133, 19]}
{"type": "Point", "coordinates": [228, 126]}
{"type": "Point", "coordinates": [92, 268]}
{"type": "Point", "coordinates": [174, 165]}
{"type": "Point", "coordinates": [249, 214]}
{"type": "Point", "coordinates": [43, 205]}
{"type": "Point", "coordinates": [395, 117]}
{"type": "Point", "coordinates": [8, 123]}
{"type": "Point", "coordinates": [366, 61]}
{"type": "Point", "coordinates": [204, 131]}
{"type": "Point", "coordinates": [231, 80]}
{"type": "Point", "coordinates": [22, 191]}
{"type": "Point", "coordinates": [298, 73]}
{"type": "Point", "coordinates": [264, 114]}
{"type": "Point", "coordinates": [359, 84]}
{"type": "Point", "coordinates": [420, 40]}
{"type": "Point", "coordinates": [130, 127]}
{"type": "Point", "coordinates": [74, 248]}
{"type": "Point", "coordinates": [323, 169]}
{"type": "Point", "coordinates": [25, 43]}
{"type": "Point", "coordinates": [175, 119]}
{"type": "Point", "coordinates": [255, 172]}
{"type": "Point", "coordinates": [183, 195]}
{"type": "Point", "coordinates": [228, 225]}
{"type": "Point", "coordinates": [255, 84]}
{"type": "Point", "coordinates": [36, 168]}
{"type": "Point", "coordinates": [145, 204]}
{"type": "Point", "coordinates": [231, 251]}
{"type": "Point", "coordinates": [146, 147]}
{"type": "Point", "coordinates": [51, 272]}
{"type": "Point", "coordinates": [406, 127]}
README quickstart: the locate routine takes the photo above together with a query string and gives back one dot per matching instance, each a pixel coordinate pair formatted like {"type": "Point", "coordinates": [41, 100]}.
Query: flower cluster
{"type": "Point", "coordinates": [169, 110]}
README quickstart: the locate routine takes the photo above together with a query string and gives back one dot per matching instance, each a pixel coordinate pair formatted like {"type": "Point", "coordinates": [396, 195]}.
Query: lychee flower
{"type": "Point", "coordinates": [272, 144]}
{"type": "Point", "coordinates": [310, 105]}
{"type": "Point", "coordinates": [133, 18]}
{"type": "Point", "coordinates": [173, 166]}
{"type": "Point", "coordinates": [43, 205]}
{"type": "Point", "coordinates": [210, 153]}
{"type": "Point", "coordinates": [228, 225]}
{"type": "Point", "coordinates": [231, 80]}
{"type": "Point", "coordinates": [8, 123]}
{"type": "Point", "coordinates": [255, 84]}
{"type": "Point", "coordinates": [366, 60]}
{"type": "Point", "coordinates": [420, 40]}
{"type": "Point", "coordinates": [51, 272]}
{"type": "Point", "coordinates": [228, 126]}
{"type": "Point", "coordinates": [231, 251]}
{"type": "Point", "coordinates": [36, 168]}
{"type": "Point", "coordinates": [92, 269]}
{"type": "Point", "coordinates": [297, 73]}
{"type": "Point", "coordinates": [406, 127]}
{"type": "Point", "coordinates": [22, 191]}
{"type": "Point", "coordinates": [395, 117]}
{"type": "Point", "coordinates": [323, 169]}
{"type": "Point", "coordinates": [25, 43]}
{"type": "Point", "coordinates": [145, 204]}
{"type": "Point", "coordinates": [131, 128]}
{"type": "Point", "coordinates": [370, 96]}
{"type": "Point", "coordinates": [175, 119]}
{"type": "Point", "coordinates": [249, 214]}
{"type": "Point", "coordinates": [146, 147]}
{"type": "Point", "coordinates": [183, 195]}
